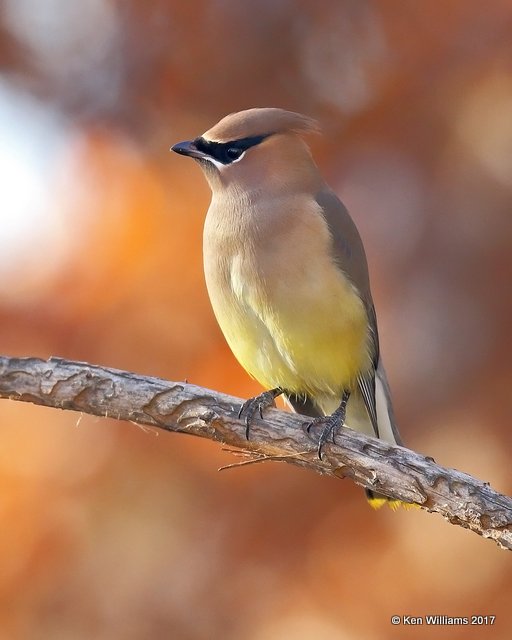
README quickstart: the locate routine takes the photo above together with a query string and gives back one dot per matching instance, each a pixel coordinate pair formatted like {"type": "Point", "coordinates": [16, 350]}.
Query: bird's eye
{"type": "Point", "coordinates": [233, 153]}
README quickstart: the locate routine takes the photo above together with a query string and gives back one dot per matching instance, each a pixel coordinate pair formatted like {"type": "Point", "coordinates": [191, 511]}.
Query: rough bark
{"type": "Point", "coordinates": [178, 406]}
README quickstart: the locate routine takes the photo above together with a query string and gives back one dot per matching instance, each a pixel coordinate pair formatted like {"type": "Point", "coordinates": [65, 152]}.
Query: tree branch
{"type": "Point", "coordinates": [394, 471]}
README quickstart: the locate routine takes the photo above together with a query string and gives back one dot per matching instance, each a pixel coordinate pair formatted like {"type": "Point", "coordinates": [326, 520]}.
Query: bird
{"type": "Point", "coordinates": [287, 277]}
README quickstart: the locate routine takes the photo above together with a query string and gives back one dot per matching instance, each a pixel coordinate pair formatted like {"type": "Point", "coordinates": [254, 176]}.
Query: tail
{"type": "Point", "coordinates": [388, 431]}
{"type": "Point", "coordinates": [386, 423]}
{"type": "Point", "coordinates": [377, 500]}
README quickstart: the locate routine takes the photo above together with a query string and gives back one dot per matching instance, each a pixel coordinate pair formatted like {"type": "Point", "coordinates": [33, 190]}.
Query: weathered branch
{"type": "Point", "coordinates": [394, 471]}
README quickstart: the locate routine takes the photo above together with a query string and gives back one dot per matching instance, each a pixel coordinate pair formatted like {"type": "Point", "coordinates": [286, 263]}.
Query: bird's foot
{"type": "Point", "coordinates": [330, 424]}
{"type": "Point", "coordinates": [257, 405]}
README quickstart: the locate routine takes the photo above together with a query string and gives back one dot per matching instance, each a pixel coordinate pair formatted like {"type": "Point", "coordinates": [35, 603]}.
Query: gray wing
{"type": "Point", "coordinates": [351, 259]}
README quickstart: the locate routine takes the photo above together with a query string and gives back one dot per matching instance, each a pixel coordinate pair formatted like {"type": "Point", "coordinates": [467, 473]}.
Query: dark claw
{"type": "Point", "coordinates": [330, 424]}
{"type": "Point", "coordinates": [257, 404]}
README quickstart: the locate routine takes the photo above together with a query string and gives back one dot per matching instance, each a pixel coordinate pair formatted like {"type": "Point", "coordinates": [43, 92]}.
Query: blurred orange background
{"type": "Point", "coordinates": [112, 531]}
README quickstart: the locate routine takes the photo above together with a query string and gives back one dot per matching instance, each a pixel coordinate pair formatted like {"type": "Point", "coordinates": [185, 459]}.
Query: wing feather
{"type": "Point", "coordinates": [351, 259]}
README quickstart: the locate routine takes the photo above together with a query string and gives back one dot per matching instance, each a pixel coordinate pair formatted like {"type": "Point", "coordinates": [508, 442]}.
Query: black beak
{"type": "Point", "coordinates": [188, 148]}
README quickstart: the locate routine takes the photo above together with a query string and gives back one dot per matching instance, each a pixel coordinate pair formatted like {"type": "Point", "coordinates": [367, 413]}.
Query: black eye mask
{"type": "Point", "coordinates": [227, 152]}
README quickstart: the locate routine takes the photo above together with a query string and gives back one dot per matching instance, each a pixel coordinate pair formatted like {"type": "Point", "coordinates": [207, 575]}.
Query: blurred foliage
{"type": "Point", "coordinates": [114, 531]}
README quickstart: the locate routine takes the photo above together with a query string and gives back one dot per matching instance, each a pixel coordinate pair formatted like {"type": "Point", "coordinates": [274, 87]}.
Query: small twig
{"type": "Point", "coordinates": [255, 458]}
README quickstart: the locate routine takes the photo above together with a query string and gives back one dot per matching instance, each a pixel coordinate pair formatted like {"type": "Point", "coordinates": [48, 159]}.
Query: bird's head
{"type": "Point", "coordinates": [254, 149]}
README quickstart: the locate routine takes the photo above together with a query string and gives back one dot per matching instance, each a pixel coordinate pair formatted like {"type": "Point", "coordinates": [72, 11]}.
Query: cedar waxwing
{"type": "Point", "coordinates": [287, 276]}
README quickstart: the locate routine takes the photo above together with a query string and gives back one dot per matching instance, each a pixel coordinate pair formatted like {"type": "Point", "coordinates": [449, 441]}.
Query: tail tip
{"type": "Point", "coordinates": [377, 501]}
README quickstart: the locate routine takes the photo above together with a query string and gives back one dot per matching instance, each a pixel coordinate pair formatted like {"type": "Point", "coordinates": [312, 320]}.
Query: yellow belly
{"type": "Point", "coordinates": [305, 339]}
